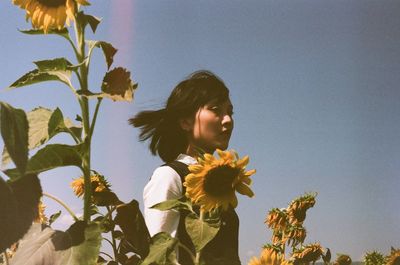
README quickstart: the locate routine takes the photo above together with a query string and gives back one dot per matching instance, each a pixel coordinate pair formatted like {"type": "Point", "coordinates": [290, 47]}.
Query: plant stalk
{"type": "Point", "coordinates": [198, 254]}
{"type": "Point", "coordinates": [63, 204]}
{"type": "Point", "coordinates": [84, 104]}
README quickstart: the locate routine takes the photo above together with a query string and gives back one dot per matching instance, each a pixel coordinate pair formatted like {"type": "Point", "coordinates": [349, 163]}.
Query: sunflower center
{"type": "Point", "coordinates": [218, 181]}
{"type": "Point", "coordinates": [52, 3]}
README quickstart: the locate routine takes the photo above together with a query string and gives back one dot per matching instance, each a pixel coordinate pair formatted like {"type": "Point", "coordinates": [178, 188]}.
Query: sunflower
{"type": "Point", "coordinates": [295, 235]}
{"type": "Point", "coordinates": [41, 217]}
{"type": "Point", "coordinates": [343, 259]}
{"type": "Point", "coordinates": [213, 181]}
{"type": "Point", "coordinates": [271, 256]}
{"type": "Point", "coordinates": [254, 261]}
{"type": "Point", "coordinates": [298, 207]}
{"type": "Point", "coordinates": [99, 184]}
{"type": "Point", "coordinates": [374, 258]}
{"type": "Point", "coordinates": [50, 14]}
{"type": "Point", "coordinates": [394, 257]}
{"type": "Point", "coordinates": [277, 219]}
{"type": "Point", "coordinates": [309, 253]}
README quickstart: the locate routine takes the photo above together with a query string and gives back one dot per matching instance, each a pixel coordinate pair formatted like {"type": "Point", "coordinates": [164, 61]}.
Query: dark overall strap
{"type": "Point", "coordinates": [224, 246]}
{"type": "Point", "coordinates": [184, 238]}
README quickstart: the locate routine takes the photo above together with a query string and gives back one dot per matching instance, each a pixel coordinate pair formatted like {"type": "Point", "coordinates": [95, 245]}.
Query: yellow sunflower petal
{"type": "Point", "coordinates": [241, 163]}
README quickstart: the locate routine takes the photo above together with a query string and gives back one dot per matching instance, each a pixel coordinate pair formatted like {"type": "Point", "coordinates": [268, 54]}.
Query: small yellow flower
{"type": "Point", "coordinates": [394, 257]}
{"type": "Point", "coordinates": [309, 253]}
{"type": "Point", "coordinates": [99, 184]}
{"type": "Point", "coordinates": [41, 217]}
{"type": "Point", "coordinates": [298, 208]}
{"type": "Point", "coordinates": [212, 182]}
{"type": "Point", "coordinates": [50, 14]}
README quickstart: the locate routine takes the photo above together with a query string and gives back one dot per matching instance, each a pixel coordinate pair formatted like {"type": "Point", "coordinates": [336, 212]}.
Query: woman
{"type": "Point", "coordinates": [197, 116]}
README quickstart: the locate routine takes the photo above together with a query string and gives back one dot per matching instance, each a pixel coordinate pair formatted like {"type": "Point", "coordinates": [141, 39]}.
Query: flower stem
{"type": "Point", "coordinates": [62, 204]}
{"type": "Point", "coordinates": [84, 104]}
{"type": "Point", "coordinates": [187, 251]}
{"type": "Point", "coordinates": [114, 243]}
{"type": "Point", "coordinates": [198, 254]}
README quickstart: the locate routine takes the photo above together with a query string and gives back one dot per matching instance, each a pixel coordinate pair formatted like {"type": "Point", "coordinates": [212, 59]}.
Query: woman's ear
{"type": "Point", "coordinates": [186, 124]}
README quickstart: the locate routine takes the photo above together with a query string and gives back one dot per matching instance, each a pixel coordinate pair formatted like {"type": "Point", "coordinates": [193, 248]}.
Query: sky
{"type": "Point", "coordinates": [315, 91]}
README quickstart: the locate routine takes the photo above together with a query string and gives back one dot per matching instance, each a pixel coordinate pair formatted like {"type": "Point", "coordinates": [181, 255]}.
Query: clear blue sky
{"type": "Point", "coordinates": [315, 87]}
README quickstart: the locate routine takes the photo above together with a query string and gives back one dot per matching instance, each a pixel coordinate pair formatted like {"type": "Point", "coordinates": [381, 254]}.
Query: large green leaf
{"type": "Point", "coordinates": [43, 125]}
{"type": "Point", "coordinates": [57, 64]}
{"type": "Point", "coordinates": [179, 204]}
{"type": "Point", "coordinates": [51, 156]}
{"type": "Point", "coordinates": [108, 50]}
{"type": "Point", "coordinates": [132, 223]}
{"type": "Point", "coordinates": [161, 249]}
{"type": "Point", "coordinates": [35, 76]}
{"type": "Point", "coordinates": [14, 130]}
{"type": "Point", "coordinates": [200, 231]}
{"type": "Point", "coordinates": [18, 208]}
{"type": "Point", "coordinates": [117, 85]}
{"type": "Point", "coordinates": [80, 244]}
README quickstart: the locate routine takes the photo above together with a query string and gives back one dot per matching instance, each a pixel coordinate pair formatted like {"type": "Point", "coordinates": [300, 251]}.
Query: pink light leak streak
{"type": "Point", "coordinates": [121, 30]}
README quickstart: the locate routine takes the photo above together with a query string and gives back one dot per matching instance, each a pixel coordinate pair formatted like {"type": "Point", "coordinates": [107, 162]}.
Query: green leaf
{"type": "Point", "coordinates": [80, 244]}
{"type": "Point", "coordinates": [161, 248]}
{"type": "Point", "coordinates": [132, 223]}
{"type": "Point", "coordinates": [201, 232]}
{"type": "Point", "coordinates": [86, 19]}
{"type": "Point", "coordinates": [58, 124]}
{"type": "Point", "coordinates": [62, 32]}
{"type": "Point", "coordinates": [5, 157]}
{"type": "Point", "coordinates": [43, 125]}
{"type": "Point", "coordinates": [36, 76]}
{"type": "Point", "coordinates": [18, 208]}
{"type": "Point", "coordinates": [117, 85]}
{"type": "Point", "coordinates": [14, 130]}
{"type": "Point", "coordinates": [57, 64]}
{"type": "Point", "coordinates": [54, 217]}
{"type": "Point", "coordinates": [108, 50]}
{"type": "Point", "coordinates": [178, 204]}
{"type": "Point", "coordinates": [51, 156]}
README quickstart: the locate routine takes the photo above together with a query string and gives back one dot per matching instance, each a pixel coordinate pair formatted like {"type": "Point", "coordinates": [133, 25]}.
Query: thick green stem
{"type": "Point", "coordinates": [84, 104]}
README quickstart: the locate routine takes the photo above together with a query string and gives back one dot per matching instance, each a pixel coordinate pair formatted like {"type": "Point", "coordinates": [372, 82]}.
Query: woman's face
{"type": "Point", "coordinates": [212, 126]}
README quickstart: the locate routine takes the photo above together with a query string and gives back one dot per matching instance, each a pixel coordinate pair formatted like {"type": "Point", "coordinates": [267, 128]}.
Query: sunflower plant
{"type": "Point", "coordinates": [211, 187]}
{"type": "Point", "coordinates": [25, 132]}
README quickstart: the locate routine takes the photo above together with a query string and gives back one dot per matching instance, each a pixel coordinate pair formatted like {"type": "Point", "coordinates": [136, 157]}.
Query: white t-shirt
{"type": "Point", "coordinates": [165, 184]}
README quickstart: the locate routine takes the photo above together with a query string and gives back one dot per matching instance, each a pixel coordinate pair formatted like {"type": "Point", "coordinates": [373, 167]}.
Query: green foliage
{"type": "Point", "coordinates": [36, 76]}
{"type": "Point", "coordinates": [374, 258]}
{"type": "Point", "coordinates": [108, 50]}
{"type": "Point", "coordinates": [18, 208]}
{"type": "Point", "coordinates": [200, 231]}
{"type": "Point", "coordinates": [62, 32]}
{"type": "Point", "coordinates": [50, 157]}
{"type": "Point", "coordinates": [117, 85]}
{"type": "Point", "coordinates": [136, 237]}
{"type": "Point", "coordinates": [80, 244]}
{"type": "Point", "coordinates": [178, 204]}
{"type": "Point", "coordinates": [162, 246]}
{"type": "Point", "coordinates": [14, 130]}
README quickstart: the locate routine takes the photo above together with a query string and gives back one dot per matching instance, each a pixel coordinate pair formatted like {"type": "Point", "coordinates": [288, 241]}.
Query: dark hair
{"type": "Point", "coordinates": [167, 138]}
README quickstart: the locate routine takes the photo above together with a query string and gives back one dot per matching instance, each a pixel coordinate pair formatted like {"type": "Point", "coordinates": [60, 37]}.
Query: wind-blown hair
{"type": "Point", "coordinates": [162, 127]}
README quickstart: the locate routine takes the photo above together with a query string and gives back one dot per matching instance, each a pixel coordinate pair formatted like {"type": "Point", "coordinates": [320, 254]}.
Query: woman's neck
{"type": "Point", "coordinates": [194, 151]}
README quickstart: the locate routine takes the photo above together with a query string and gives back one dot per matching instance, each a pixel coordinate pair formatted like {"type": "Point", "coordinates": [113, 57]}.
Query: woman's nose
{"type": "Point", "coordinates": [227, 120]}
